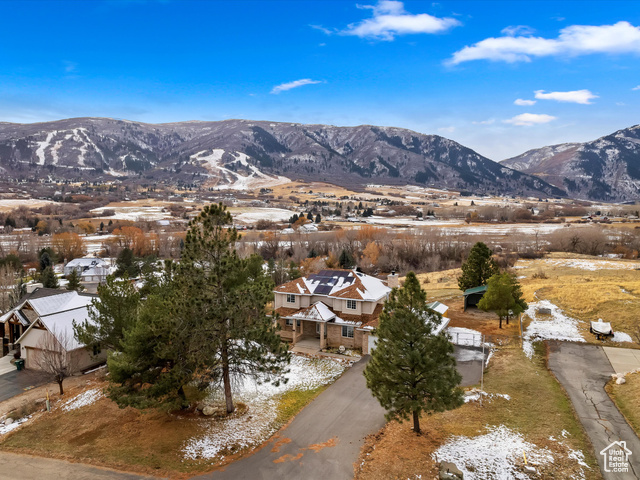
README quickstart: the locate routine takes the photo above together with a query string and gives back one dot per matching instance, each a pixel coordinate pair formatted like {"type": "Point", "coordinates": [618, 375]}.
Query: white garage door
{"type": "Point", "coordinates": [372, 343]}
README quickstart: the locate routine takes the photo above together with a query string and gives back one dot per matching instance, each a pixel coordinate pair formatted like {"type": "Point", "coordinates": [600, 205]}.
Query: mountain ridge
{"type": "Point", "coordinates": [245, 154]}
{"type": "Point", "coordinates": [605, 169]}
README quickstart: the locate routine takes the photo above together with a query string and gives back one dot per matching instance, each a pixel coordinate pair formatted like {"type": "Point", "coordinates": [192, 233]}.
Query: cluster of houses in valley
{"type": "Point", "coordinates": [332, 309]}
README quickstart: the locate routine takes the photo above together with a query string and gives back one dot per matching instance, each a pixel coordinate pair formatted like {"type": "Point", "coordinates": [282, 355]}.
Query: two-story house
{"type": "Point", "coordinates": [336, 307]}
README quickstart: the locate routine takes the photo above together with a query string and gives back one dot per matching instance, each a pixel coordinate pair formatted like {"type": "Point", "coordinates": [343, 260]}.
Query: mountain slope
{"type": "Point", "coordinates": [605, 169]}
{"type": "Point", "coordinates": [246, 154]}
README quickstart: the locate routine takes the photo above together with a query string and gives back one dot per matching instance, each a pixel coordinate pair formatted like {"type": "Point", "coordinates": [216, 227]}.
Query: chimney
{"type": "Point", "coordinates": [393, 280]}
{"type": "Point", "coordinates": [33, 286]}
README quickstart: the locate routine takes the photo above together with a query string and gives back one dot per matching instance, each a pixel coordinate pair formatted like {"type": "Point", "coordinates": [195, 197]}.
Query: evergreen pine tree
{"type": "Point", "coordinates": [346, 259]}
{"type": "Point", "coordinates": [207, 323]}
{"type": "Point", "coordinates": [48, 278]}
{"type": "Point", "coordinates": [478, 268]}
{"type": "Point", "coordinates": [318, 218]}
{"type": "Point", "coordinates": [503, 296]}
{"type": "Point", "coordinates": [114, 312]}
{"type": "Point", "coordinates": [412, 370]}
{"type": "Point", "coordinates": [74, 281]}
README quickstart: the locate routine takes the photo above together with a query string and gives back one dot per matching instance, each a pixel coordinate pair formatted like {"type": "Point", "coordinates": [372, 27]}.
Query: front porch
{"type": "Point", "coordinates": [307, 345]}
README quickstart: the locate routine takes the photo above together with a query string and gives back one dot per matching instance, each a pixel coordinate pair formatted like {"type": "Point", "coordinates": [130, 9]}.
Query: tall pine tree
{"type": "Point", "coordinates": [74, 281]}
{"type": "Point", "coordinates": [412, 370]}
{"type": "Point", "coordinates": [49, 278]}
{"type": "Point", "coordinates": [478, 268]}
{"type": "Point", "coordinates": [206, 323]}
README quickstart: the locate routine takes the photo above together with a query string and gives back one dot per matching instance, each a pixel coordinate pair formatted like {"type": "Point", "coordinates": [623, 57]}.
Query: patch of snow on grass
{"type": "Point", "coordinates": [84, 399]}
{"type": "Point", "coordinates": [621, 337]}
{"type": "Point", "coordinates": [556, 326]}
{"type": "Point", "coordinates": [475, 394]}
{"type": "Point", "coordinates": [233, 434]}
{"type": "Point", "coordinates": [593, 265]}
{"type": "Point", "coordinates": [4, 429]}
{"type": "Point", "coordinates": [495, 455]}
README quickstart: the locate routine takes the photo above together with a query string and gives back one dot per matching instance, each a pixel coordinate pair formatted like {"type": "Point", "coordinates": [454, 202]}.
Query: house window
{"type": "Point", "coordinates": [291, 298]}
{"type": "Point", "coordinates": [289, 322]}
{"type": "Point", "coordinates": [351, 304]}
{"type": "Point", "coordinates": [347, 331]}
{"type": "Point", "coordinates": [96, 349]}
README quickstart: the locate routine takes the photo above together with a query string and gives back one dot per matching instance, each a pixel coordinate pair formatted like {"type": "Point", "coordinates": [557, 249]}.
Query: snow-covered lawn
{"type": "Point", "coordinates": [260, 422]}
{"type": "Point", "coordinates": [475, 394]}
{"type": "Point", "coordinates": [554, 326]}
{"type": "Point", "coordinates": [498, 455]}
{"type": "Point", "coordinates": [84, 399]}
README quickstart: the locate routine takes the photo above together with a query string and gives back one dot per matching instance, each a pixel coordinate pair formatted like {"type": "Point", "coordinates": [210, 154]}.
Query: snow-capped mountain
{"type": "Point", "coordinates": [605, 169]}
{"type": "Point", "coordinates": [244, 154]}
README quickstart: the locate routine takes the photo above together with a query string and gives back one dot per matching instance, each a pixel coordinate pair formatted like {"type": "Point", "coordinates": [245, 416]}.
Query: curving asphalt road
{"type": "Point", "coordinates": [583, 370]}
{"type": "Point", "coordinates": [323, 441]}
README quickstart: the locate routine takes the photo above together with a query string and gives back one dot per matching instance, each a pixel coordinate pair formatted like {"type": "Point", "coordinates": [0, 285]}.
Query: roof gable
{"type": "Point", "coordinates": [338, 283]}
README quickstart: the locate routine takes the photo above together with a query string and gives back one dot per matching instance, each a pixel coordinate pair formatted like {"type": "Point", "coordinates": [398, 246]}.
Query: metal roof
{"type": "Point", "coordinates": [480, 289]}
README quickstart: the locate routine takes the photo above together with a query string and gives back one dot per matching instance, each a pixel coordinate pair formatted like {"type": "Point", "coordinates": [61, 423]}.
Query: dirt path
{"type": "Point", "coordinates": [583, 370]}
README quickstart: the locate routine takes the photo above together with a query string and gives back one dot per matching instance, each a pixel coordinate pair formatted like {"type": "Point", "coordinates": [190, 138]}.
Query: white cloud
{"type": "Point", "coordinates": [447, 129]}
{"type": "Point", "coordinates": [490, 121]}
{"type": "Point", "coordinates": [574, 40]}
{"type": "Point", "coordinates": [524, 103]}
{"type": "Point", "coordinates": [528, 119]}
{"type": "Point", "coordinates": [283, 87]}
{"type": "Point", "coordinates": [390, 19]}
{"type": "Point", "coordinates": [636, 88]}
{"type": "Point", "coordinates": [512, 31]}
{"type": "Point", "coordinates": [576, 96]}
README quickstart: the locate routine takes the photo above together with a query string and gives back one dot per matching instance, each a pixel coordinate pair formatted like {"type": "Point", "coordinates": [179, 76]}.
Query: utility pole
{"type": "Point", "coordinates": [482, 372]}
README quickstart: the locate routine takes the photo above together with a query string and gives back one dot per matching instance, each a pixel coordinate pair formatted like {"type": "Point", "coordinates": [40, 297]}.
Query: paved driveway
{"type": "Point", "coordinates": [14, 383]}
{"type": "Point", "coordinates": [323, 441]}
{"type": "Point", "coordinates": [583, 370]}
{"type": "Point", "coordinates": [24, 467]}
{"type": "Point", "coordinates": [623, 360]}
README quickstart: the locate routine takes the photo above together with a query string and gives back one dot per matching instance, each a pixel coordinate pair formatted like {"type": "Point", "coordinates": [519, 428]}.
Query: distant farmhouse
{"type": "Point", "coordinates": [90, 270]}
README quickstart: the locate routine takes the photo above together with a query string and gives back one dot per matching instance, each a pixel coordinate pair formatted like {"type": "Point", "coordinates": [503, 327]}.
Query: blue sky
{"type": "Point", "coordinates": [448, 68]}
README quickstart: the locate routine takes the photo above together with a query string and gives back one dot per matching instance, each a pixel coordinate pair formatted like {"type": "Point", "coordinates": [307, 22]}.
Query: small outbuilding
{"type": "Point", "coordinates": [473, 295]}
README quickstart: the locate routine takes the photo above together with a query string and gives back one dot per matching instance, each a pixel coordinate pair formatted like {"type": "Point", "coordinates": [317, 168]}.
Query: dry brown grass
{"type": "Point", "coordinates": [588, 295]}
{"type": "Point", "coordinates": [627, 399]}
{"type": "Point", "coordinates": [148, 442]}
{"type": "Point", "coordinates": [538, 409]}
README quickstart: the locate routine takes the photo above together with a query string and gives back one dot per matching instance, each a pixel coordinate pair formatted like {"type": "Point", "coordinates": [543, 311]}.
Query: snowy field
{"type": "Point", "coordinates": [498, 455]}
{"type": "Point", "coordinates": [138, 213]}
{"type": "Point", "coordinates": [253, 215]}
{"type": "Point", "coordinates": [555, 326]}
{"type": "Point", "coordinates": [593, 265]}
{"type": "Point", "coordinates": [409, 221]}
{"type": "Point", "coordinates": [225, 436]}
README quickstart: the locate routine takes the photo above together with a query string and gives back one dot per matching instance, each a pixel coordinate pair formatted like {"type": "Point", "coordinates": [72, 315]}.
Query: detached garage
{"type": "Point", "coordinates": [473, 296]}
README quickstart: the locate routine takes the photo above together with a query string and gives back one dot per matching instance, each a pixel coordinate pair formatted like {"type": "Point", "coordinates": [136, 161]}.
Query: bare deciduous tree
{"type": "Point", "coordinates": [54, 355]}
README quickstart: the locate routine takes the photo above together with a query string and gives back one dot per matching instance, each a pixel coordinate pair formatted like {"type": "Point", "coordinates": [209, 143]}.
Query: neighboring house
{"type": "Point", "coordinates": [473, 295]}
{"type": "Point", "coordinates": [336, 307]}
{"type": "Point", "coordinates": [49, 312]}
{"type": "Point", "coordinates": [91, 270]}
